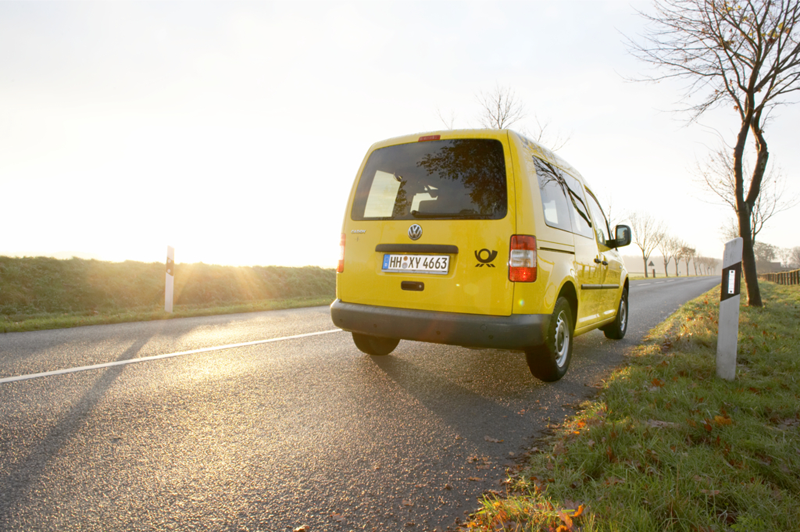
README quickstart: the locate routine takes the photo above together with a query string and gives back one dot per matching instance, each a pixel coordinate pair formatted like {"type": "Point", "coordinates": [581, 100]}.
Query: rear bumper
{"type": "Point", "coordinates": [517, 331]}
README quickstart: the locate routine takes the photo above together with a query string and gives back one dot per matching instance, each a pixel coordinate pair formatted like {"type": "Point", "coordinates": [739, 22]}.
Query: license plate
{"type": "Point", "coordinates": [438, 264]}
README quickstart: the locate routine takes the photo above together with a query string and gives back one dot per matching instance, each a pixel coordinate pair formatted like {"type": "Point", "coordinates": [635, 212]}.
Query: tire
{"type": "Point", "coordinates": [549, 361]}
{"type": "Point", "coordinates": [374, 345]}
{"type": "Point", "coordinates": [616, 329]}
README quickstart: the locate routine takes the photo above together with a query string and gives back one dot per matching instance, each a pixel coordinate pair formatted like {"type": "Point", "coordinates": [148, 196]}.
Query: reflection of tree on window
{"type": "Point", "coordinates": [479, 166]}
{"type": "Point", "coordinates": [601, 225]}
{"type": "Point", "coordinates": [554, 195]}
{"type": "Point", "coordinates": [581, 221]}
{"type": "Point", "coordinates": [556, 186]}
{"type": "Point", "coordinates": [401, 202]}
{"type": "Point", "coordinates": [436, 179]}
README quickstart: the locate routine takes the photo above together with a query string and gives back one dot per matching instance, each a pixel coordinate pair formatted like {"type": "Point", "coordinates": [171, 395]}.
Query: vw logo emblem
{"type": "Point", "coordinates": [414, 232]}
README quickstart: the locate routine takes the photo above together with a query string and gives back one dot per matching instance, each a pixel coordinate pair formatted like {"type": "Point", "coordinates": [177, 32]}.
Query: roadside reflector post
{"type": "Point", "coordinates": [170, 284]}
{"type": "Point", "coordinates": [728, 332]}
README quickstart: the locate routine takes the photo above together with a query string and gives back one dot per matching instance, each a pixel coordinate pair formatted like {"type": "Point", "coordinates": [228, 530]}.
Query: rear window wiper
{"type": "Point", "coordinates": [466, 215]}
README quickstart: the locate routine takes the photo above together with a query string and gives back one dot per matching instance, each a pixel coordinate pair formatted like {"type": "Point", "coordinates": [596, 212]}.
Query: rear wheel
{"type": "Point", "coordinates": [375, 345]}
{"type": "Point", "coordinates": [549, 361]}
{"type": "Point", "coordinates": [616, 329]}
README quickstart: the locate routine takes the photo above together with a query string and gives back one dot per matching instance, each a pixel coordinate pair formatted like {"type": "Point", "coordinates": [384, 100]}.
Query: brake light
{"type": "Point", "coordinates": [429, 137]}
{"type": "Point", "coordinates": [340, 267]}
{"type": "Point", "coordinates": [522, 259]}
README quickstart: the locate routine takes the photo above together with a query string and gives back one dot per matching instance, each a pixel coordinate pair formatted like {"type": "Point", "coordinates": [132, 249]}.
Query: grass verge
{"type": "Point", "coordinates": [46, 293]}
{"type": "Point", "coordinates": [36, 322]}
{"type": "Point", "coordinates": [668, 446]}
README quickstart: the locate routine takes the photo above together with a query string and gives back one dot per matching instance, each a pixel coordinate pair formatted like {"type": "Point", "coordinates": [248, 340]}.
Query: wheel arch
{"type": "Point", "coordinates": [569, 292]}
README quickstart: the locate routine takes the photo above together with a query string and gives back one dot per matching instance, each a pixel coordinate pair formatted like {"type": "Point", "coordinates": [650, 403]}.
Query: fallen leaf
{"type": "Point", "coordinates": [303, 528]}
{"type": "Point", "coordinates": [566, 519]}
{"type": "Point", "coordinates": [475, 479]}
{"type": "Point", "coordinates": [492, 440]}
{"type": "Point", "coordinates": [719, 420]}
{"type": "Point", "coordinates": [337, 517]}
{"type": "Point", "coordinates": [408, 503]}
{"type": "Point", "coordinates": [710, 492]}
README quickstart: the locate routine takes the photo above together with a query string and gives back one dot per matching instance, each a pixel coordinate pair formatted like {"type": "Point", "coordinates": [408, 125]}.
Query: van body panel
{"type": "Point", "coordinates": [477, 278]}
{"type": "Point", "coordinates": [468, 330]}
{"type": "Point", "coordinates": [590, 280]}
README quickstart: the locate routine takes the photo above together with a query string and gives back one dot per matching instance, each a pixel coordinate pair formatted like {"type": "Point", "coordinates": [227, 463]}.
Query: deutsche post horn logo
{"type": "Point", "coordinates": [414, 232]}
{"type": "Point", "coordinates": [490, 256]}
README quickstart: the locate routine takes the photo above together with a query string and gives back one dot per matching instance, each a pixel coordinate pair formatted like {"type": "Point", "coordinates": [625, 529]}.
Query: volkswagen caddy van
{"type": "Point", "coordinates": [482, 239]}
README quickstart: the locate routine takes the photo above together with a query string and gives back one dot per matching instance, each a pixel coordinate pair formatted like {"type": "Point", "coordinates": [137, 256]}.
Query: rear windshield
{"type": "Point", "coordinates": [462, 178]}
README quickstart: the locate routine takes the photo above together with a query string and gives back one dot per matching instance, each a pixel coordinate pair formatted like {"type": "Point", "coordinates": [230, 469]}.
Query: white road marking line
{"type": "Point", "coordinates": [156, 357]}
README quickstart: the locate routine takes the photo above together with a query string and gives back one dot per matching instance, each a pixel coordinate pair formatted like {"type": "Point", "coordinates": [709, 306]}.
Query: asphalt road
{"type": "Point", "coordinates": [299, 430]}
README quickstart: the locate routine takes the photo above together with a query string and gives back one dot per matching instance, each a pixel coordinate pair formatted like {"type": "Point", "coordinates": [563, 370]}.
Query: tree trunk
{"type": "Point", "coordinates": [743, 214]}
{"type": "Point", "coordinates": [644, 259]}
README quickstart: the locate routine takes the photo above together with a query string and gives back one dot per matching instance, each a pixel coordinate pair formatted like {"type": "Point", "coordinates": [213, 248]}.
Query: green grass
{"type": "Point", "coordinates": [667, 445]}
{"type": "Point", "coordinates": [45, 293]}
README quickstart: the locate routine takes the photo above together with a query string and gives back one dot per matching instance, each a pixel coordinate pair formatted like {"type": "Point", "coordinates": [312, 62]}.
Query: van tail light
{"type": "Point", "coordinates": [340, 267]}
{"type": "Point", "coordinates": [522, 259]}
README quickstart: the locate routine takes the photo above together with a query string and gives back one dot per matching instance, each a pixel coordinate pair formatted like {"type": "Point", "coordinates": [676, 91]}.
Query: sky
{"type": "Point", "coordinates": [233, 131]}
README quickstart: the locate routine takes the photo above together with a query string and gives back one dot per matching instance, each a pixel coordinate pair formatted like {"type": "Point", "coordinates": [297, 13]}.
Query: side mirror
{"type": "Point", "coordinates": [622, 236]}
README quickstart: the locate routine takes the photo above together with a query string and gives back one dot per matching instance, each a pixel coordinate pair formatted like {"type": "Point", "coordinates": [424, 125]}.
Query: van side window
{"type": "Point", "coordinates": [600, 222]}
{"type": "Point", "coordinates": [581, 223]}
{"type": "Point", "coordinates": [554, 196]}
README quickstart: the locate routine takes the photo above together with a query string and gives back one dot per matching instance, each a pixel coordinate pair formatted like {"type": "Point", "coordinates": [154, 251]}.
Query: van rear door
{"type": "Point", "coordinates": [429, 226]}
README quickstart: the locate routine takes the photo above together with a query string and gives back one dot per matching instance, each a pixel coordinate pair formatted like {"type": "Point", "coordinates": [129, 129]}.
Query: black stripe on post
{"type": "Point", "coordinates": [731, 281]}
{"type": "Point", "coordinates": [170, 266]}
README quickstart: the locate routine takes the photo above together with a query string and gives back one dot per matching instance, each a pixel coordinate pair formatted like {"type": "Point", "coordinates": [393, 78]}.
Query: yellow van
{"type": "Point", "coordinates": [477, 238]}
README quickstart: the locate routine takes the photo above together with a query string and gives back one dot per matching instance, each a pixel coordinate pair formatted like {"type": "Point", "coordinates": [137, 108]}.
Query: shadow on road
{"type": "Point", "coordinates": [470, 413]}
{"type": "Point", "coordinates": [20, 479]}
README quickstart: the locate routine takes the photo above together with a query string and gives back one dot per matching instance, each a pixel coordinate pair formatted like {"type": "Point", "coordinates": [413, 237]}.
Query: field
{"type": "Point", "coordinates": [46, 293]}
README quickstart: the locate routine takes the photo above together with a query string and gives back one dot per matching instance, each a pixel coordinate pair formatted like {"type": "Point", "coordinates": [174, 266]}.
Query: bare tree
{"type": "Point", "coordinates": [669, 248]}
{"type": "Point", "coordinates": [647, 234]}
{"type": "Point", "coordinates": [765, 256]}
{"type": "Point", "coordinates": [554, 141]}
{"type": "Point", "coordinates": [447, 120]}
{"type": "Point", "coordinates": [703, 264]}
{"type": "Point", "coordinates": [717, 176]}
{"type": "Point", "coordinates": [687, 254]}
{"type": "Point", "coordinates": [794, 258]}
{"type": "Point", "coordinates": [707, 264]}
{"type": "Point", "coordinates": [500, 108]}
{"type": "Point", "coordinates": [743, 53]}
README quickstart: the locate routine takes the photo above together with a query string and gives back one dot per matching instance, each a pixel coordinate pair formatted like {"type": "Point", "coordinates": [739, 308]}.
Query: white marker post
{"type": "Point", "coordinates": [168, 290]}
{"type": "Point", "coordinates": [728, 332]}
